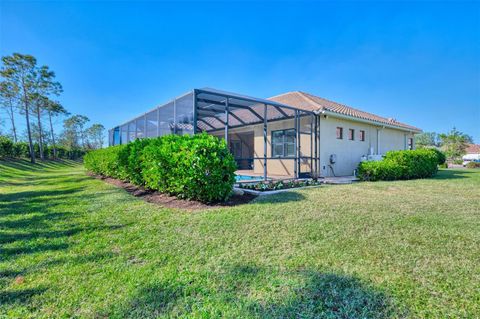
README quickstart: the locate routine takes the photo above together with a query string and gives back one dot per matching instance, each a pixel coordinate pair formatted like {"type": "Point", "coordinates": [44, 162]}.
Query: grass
{"type": "Point", "coordinates": [73, 246]}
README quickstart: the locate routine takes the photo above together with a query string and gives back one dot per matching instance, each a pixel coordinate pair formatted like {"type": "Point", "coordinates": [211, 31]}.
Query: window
{"type": "Point", "coordinates": [283, 143]}
{"type": "Point", "coordinates": [236, 148]}
{"type": "Point", "coordinates": [362, 136]}
{"type": "Point", "coordinates": [410, 143]}
{"type": "Point", "coordinates": [351, 134]}
{"type": "Point", "coordinates": [339, 133]}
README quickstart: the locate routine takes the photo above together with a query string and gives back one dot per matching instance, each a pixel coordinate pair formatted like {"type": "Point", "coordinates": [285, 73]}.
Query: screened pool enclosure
{"type": "Point", "coordinates": [267, 138]}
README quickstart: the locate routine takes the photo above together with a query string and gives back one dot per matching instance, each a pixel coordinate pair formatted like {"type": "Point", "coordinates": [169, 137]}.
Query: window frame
{"type": "Point", "coordinates": [339, 136]}
{"type": "Point", "coordinates": [284, 143]}
{"type": "Point", "coordinates": [362, 135]}
{"type": "Point", "coordinates": [410, 143]}
{"type": "Point", "coordinates": [351, 134]}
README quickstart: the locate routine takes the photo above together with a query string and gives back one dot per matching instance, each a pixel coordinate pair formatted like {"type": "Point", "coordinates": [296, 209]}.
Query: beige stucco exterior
{"type": "Point", "coordinates": [378, 140]}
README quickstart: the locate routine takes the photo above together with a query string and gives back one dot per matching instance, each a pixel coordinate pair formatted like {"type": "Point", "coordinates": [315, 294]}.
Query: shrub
{"type": "Point", "coordinates": [410, 164]}
{"type": "Point", "coordinates": [473, 165]}
{"type": "Point", "coordinates": [104, 161]}
{"type": "Point", "coordinates": [193, 167]}
{"type": "Point", "coordinates": [196, 167]}
{"type": "Point", "coordinates": [441, 158]}
{"type": "Point", "coordinates": [278, 184]}
{"type": "Point", "coordinates": [21, 149]}
{"type": "Point", "coordinates": [420, 163]}
{"type": "Point", "coordinates": [6, 147]}
{"type": "Point", "coordinates": [133, 161]}
{"type": "Point", "coordinates": [444, 165]}
{"type": "Point", "coordinates": [384, 170]}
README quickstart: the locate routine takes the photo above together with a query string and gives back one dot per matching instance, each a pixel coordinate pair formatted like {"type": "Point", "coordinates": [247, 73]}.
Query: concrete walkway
{"type": "Point", "coordinates": [339, 179]}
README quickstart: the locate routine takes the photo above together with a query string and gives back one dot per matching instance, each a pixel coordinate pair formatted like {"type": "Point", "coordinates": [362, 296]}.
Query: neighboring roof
{"type": "Point", "coordinates": [311, 102]}
{"type": "Point", "coordinates": [473, 149]}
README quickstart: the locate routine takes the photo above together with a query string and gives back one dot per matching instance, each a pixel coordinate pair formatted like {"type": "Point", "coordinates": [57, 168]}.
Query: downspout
{"type": "Point", "coordinates": [319, 114]}
{"type": "Point", "coordinates": [380, 128]}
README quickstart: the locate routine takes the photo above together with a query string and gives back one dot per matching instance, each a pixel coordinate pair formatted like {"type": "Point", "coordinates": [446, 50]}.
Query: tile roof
{"type": "Point", "coordinates": [473, 149]}
{"type": "Point", "coordinates": [311, 102]}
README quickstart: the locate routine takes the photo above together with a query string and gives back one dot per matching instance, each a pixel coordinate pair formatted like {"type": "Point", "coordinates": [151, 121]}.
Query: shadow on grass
{"type": "Point", "coordinates": [44, 180]}
{"type": "Point", "coordinates": [453, 174]}
{"type": "Point", "coordinates": [283, 197]}
{"type": "Point", "coordinates": [25, 165]}
{"type": "Point", "coordinates": [15, 168]}
{"type": "Point", "coordinates": [22, 296]}
{"type": "Point", "coordinates": [241, 291]}
{"type": "Point", "coordinates": [42, 201]}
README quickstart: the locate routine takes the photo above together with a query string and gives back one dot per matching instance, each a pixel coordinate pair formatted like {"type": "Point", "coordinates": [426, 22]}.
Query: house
{"type": "Point", "coordinates": [294, 134]}
{"type": "Point", "coordinates": [472, 153]}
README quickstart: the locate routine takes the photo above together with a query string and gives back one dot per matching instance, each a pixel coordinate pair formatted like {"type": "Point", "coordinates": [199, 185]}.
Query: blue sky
{"type": "Point", "coordinates": [416, 62]}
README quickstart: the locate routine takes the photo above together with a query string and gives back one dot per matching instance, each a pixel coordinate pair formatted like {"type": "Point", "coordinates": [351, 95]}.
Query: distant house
{"type": "Point", "coordinates": [473, 153]}
{"type": "Point", "coordinates": [294, 134]}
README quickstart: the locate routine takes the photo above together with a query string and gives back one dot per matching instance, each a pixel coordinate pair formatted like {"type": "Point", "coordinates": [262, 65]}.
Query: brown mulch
{"type": "Point", "coordinates": [166, 200]}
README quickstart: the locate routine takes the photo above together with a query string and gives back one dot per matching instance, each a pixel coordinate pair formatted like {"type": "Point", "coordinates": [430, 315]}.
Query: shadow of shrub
{"type": "Point", "coordinates": [254, 292]}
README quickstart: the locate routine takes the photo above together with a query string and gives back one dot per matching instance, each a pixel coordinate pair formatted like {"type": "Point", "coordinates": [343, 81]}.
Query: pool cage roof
{"type": "Point", "coordinates": [210, 110]}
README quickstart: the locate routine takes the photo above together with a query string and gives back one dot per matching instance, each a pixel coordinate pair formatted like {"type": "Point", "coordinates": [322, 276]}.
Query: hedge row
{"type": "Point", "coordinates": [411, 164]}
{"type": "Point", "coordinates": [198, 167]}
{"type": "Point", "coordinates": [473, 165]}
{"type": "Point", "coordinates": [9, 149]}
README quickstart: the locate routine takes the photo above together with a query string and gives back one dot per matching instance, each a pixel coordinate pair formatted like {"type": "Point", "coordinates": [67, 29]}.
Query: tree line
{"type": "Point", "coordinates": [30, 92]}
{"type": "Point", "coordinates": [453, 143]}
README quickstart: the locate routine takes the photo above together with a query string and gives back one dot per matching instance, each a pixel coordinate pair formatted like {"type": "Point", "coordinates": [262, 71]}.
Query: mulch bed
{"type": "Point", "coordinates": [166, 200]}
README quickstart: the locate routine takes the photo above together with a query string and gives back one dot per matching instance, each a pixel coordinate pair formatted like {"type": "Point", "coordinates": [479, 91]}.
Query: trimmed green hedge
{"type": "Point", "coordinates": [9, 149]}
{"type": "Point", "coordinates": [198, 167]}
{"type": "Point", "coordinates": [473, 165]}
{"type": "Point", "coordinates": [105, 161]}
{"type": "Point", "coordinates": [6, 147]}
{"type": "Point", "coordinates": [411, 164]}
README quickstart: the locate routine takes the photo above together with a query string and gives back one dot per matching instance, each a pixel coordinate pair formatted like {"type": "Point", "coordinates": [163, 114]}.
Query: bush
{"type": "Point", "coordinates": [196, 167]}
{"type": "Point", "coordinates": [21, 149]}
{"type": "Point", "coordinates": [133, 167]}
{"type": "Point", "coordinates": [411, 164]}
{"type": "Point", "coordinates": [444, 165]}
{"type": "Point", "coordinates": [193, 167]}
{"type": "Point", "coordinates": [473, 165]}
{"type": "Point", "coordinates": [441, 157]}
{"type": "Point", "coordinates": [6, 147]}
{"type": "Point", "coordinates": [384, 170]}
{"type": "Point", "coordinates": [104, 161]}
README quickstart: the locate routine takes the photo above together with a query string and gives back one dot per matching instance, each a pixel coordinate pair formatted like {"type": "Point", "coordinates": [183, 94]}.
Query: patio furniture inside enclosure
{"type": "Point", "coordinates": [266, 137]}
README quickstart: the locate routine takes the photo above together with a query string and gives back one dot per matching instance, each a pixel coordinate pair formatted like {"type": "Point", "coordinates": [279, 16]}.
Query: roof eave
{"type": "Point", "coordinates": [376, 123]}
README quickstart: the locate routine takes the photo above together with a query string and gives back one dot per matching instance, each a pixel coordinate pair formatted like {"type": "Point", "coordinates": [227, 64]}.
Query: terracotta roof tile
{"type": "Point", "coordinates": [473, 149]}
{"type": "Point", "coordinates": [306, 101]}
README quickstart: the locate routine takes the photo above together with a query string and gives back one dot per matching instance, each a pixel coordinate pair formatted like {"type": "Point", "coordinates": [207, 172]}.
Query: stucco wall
{"type": "Point", "coordinates": [283, 167]}
{"type": "Point", "coordinates": [349, 152]}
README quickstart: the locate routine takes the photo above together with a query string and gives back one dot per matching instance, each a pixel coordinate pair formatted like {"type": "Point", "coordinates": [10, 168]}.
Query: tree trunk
{"type": "Point", "coordinates": [12, 118]}
{"type": "Point", "coordinates": [30, 144]}
{"type": "Point", "coordinates": [40, 133]}
{"type": "Point", "coordinates": [29, 132]}
{"type": "Point", "coordinates": [53, 136]}
{"type": "Point", "coordinates": [83, 138]}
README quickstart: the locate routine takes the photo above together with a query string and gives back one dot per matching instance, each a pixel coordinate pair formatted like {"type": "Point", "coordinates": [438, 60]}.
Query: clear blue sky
{"type": "Point", "coordinates": [417, 62]}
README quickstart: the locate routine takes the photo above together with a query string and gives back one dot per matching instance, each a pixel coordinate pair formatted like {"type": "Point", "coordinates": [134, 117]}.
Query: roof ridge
{"type": "Point", "coordinates": [341, 104]}
{"type": "Point", "coordinates": [355, 109]}
{"type": "Point", "coordinates": [307, 97]}
{"type": "Point", "coordinates": [282, 94]}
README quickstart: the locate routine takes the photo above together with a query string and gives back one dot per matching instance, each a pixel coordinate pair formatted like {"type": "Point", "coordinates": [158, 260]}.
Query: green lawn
{"type": "Point", "coordinates": [74, 246]}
